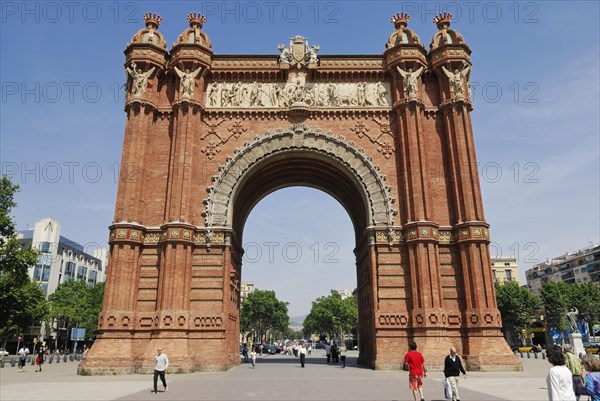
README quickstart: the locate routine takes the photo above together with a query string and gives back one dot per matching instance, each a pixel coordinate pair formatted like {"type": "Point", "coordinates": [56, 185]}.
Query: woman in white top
{"type": "Point", "coordinates": [559, 379]}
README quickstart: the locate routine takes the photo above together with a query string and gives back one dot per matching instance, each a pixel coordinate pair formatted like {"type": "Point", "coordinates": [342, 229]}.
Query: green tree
{"type": "Point", "coordinates": [69, 304]}
{"type": "Point", "coordinates": [332, 315]}
{"type": "Point", "coordinates": [23, 305]}
{"type": "Point", "coordinates": [13, 258]}
{"type": "Point", "coordinates": [518, 307]}
{"type": "Point", "coordinates": [556, 297]}
{"type": "Point", "coordinates": [586, 298]}
{"type": "Point", "coordinates": [261, 311]}
{"type": "Point", "coordinates": [94, 307]}
{"type": "Point", "coordinates": [22, 302]}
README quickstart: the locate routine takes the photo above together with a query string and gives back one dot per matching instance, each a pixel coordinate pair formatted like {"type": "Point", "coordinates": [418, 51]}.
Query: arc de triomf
{"type": "Point", "coordinates": [208, 136]}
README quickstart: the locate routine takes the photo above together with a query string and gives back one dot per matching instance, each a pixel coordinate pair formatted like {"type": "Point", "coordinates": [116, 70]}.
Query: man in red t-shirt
{"type": "Point", "coordinates": [417, 371]}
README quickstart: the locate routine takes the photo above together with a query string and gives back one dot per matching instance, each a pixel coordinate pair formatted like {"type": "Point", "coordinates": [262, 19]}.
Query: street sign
{"type": "Point", "coordinates": [77, 334]}
{"type": "Point", "coordinates": [19, 338]}
{"type": "Point", "coordinates": [35, 340]}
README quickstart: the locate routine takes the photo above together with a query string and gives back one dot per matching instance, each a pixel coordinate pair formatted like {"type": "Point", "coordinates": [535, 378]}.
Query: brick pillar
{"type": "Point", "coordinates": [483, 347]}
{"type": "Point", "coordinates": [426, 313]}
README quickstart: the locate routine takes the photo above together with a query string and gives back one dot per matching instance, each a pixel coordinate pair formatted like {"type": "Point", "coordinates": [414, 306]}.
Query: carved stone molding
{"type": "Point", "coordinates": [345, 153]}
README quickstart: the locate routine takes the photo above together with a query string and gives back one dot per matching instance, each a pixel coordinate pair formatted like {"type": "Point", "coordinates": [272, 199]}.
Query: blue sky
{"type": "Point", "coordinates": [536, 120]}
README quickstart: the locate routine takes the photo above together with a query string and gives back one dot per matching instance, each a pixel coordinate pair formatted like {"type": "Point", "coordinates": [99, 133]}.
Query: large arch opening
{"type": "Point", "coordinates": [298, 242]}
{"type": "Point", "coordinates": [314, 159]}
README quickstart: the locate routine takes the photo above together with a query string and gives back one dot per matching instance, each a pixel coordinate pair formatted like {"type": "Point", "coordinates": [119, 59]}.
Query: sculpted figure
{"type": "Point", "coordinates": [140, 79]}
{"type": "Point", "coordinates": [284, 57]}
{"type": "Point", "coordinates": [186, 86]}
{"type": "Point", "coordinates": [212, 95]}
{"type": "Point", "coordinates": [381, 92]}
{"type": "Point", "coordinates": [312, 54]}
{"type": "Point", "coordinates": [457, 79]}
{"type": "Point", "coordinates": [361, 93]}
{"type": "Point", "coordinates": [410, 79]}
{"type": "Point", "coordinates": [275, 95]}
{"type": "Point", "coordinates": [572, 317]}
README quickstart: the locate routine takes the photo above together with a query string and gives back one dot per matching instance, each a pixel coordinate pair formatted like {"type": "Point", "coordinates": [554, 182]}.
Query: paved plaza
{"type": "Point", "coordinates": [276, 377]}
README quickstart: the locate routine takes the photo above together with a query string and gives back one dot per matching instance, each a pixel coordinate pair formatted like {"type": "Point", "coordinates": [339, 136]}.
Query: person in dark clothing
{"type": "Point", "coordinates": [334, 354]}
{"type": "Point", "coordinates": [452, 369]}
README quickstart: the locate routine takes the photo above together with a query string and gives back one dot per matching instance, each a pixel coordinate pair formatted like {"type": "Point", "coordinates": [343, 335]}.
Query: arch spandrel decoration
{"type": "Point", "coordinates": [218, 211]}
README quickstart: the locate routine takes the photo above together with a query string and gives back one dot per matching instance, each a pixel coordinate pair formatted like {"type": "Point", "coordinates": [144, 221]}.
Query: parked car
{"type": "Point", "coordinates": [269, 349]}
{"type": "Point", "coordinates": [4, 352]}
{"type": "Point", "coordinates": [351, 344]}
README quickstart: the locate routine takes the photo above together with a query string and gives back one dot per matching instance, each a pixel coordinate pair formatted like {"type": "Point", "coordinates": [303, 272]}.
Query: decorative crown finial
{"type": "Point", "coordinates": [196, 19]}
{"type": "Point", "coordinates": [442, 19]}
{"type": "Point", "coordinates": [400, 20]}
{"type": "Point", "coordinates": [153, 20]}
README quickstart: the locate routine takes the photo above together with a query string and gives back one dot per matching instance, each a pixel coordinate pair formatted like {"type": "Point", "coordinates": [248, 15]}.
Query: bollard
{"type": "Point", "coordinates": [543, 355]}
{"type": "Point", "coordinates": [71, 358]}
{"type": "Point", "coordinates": [2, 363]}
{"type": "Point", "coordinates": [51, 358]}
{"type": "Point", "coordinates": [65, 358]}
{"type": "Point", "coordinates": [529, 355]}
{"type": "Point", "coordinates": [78, 357]}
{"type": "Point", "coordinates": [521, 353]}
{"type": "Point", "coordinates": [535, 355]}
{"type": "Point", "coordinates": [12, 362]}
{"type": "Point", "coordinates": [32, 362]}
{"type": "Point", "coordinates": [57, 358]}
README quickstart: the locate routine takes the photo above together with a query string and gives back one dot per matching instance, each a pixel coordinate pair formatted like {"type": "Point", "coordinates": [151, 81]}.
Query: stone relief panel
{"type": "Point", "coordinates": [259, 95]}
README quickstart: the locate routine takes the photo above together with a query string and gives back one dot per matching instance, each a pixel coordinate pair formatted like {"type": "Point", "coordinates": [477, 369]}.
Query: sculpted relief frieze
{"type": "Point", "coordinates": [257, 95]}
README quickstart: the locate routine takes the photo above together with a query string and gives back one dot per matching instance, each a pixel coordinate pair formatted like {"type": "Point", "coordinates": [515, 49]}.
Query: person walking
{"type": "Point", "coordinates": [302, 353]}
{"type": "Point", "coordinates": [23, 352]}
{"type": "Point", "coordinates": [573, 363]}
{"type": "Point", "coordinates": [161, 363]}
{"type": "Point", "coordinates": [559, 379]}
{"type": "Point", "coordinates": [253, 358]}
{"type": "Point", "coordinates": [245, 352]}
{"type": "Point", "coordinates": [452, 369]}
{"type": "Point", "coordinates": [328, 352]}
{"type": "Point", "coordinates": [343, 351]}
{"type": "Point", "coordinates": [39, 359]}
{"type": "Point", "coordinates": [590, 383]}
{"type": "Point", "coordinates": [334, 354]}
{"type": "Point", "coordinates": [416, 372]}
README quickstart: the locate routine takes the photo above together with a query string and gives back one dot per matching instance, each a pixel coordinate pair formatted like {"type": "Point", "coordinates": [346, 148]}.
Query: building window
{"type": "Point", "coordinates": [508, 275]}
{"type": "Point", "coordinates": [37, 273]}
{"type": "Point", "coordinates": [494, 273]}
{"type": "Point", "coordinates": [506, 264]}
{"type": "Point", "coordinates": [41, 273]}
{"type": "Point", "coordinates": [91, 278]}
{"type": "Point", "coordinates": [69, 271]}
{"type": "Point", "coordinates": [44, 287]}
{"type": "Point", "coordinates": [45, 246]}
{"type": "Point", "coordinates": [46, 273]}
{"type": "Point", "coordinates": [81, 273]}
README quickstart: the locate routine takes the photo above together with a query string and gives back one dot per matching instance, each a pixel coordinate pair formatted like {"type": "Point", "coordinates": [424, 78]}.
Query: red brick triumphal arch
{"type": "Point", "coordinates": [207, 136]}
